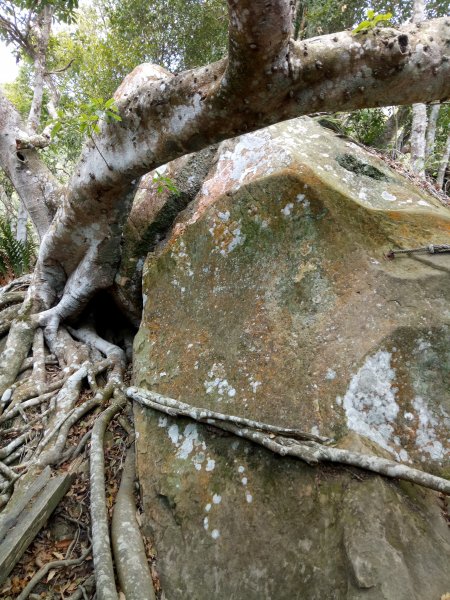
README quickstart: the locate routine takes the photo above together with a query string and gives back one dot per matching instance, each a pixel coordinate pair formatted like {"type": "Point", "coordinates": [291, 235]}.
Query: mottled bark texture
{"type": "Point", "coordinates": [419, 111]}
{"type": "Point", "coordinates": [32, 180]}
{"type": "Point", "coordinates": [267, 78]}
{"type": "Point", "coordinates": [443, 164]}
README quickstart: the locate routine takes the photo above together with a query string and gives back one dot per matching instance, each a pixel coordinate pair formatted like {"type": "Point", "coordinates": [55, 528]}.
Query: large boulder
{"type": "Point", "coordinates": [273, 299]}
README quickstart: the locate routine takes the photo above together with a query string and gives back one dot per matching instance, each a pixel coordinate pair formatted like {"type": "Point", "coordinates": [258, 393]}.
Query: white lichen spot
{"type": "Point", "coordinates": [315, 430]}
{"type": "Point", "coordinates": [249, 497]}
{"type": "Point", "coordinates": [217, 383]}
{"type": "Point", "coordinates": [174, 434]}
{"type": "Point", "coordinates": [286, 211]}
{"type": "Point", "coordinates": [217, 499]}
{"type": "Point", "coordinates": [330, 375]}
{"type": "Point", "coordinates": [190, 438]}
{"type": "Point", "coordinates": [370, 402]}
{"type": "Point", "coordinates": [388, 196]}
{"type": "Point", "coordinates": [224, 216]}
{"type": "Point", "coordinates": [426, 437]}
{"type": "Point", "coordinates": [210, 465]}
{"type": "Point", "coordinates": [254, 384]}
{"type": "Point", "coordinates": [162, 422]}
{"type": "Point", "coordinates": [215, 533]}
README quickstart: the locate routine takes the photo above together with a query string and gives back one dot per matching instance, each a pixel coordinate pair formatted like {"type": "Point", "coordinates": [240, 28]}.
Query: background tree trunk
{"type": "Point", "coordinates": [443, 164]}
{"type": "Point", "coordinates": [419, 118]}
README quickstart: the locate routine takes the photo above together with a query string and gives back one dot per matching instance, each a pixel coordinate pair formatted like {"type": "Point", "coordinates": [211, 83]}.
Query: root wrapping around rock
{"type": "Point", "coordinates": [310, 451]}
{"type": "Point", "coordinates": [129, 552]}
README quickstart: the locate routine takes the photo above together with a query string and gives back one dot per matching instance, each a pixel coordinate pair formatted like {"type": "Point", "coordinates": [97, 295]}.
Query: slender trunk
{"type": "Point", "coordinates": [418, 131]}
{"type": "Point", "coordinates": [443, 164]}
{"type": "Point", "coordinates": [419, 118]}
{"type": "Point", "coordinates": [431, 130]}
{"type": "Point", "coordinates": [392, 128]}
{"type": "Point", "coordinates": [42, 32]}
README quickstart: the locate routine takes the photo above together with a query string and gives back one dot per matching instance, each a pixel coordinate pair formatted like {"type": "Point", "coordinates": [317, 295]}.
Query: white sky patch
{"type": "Point", "coordinates": [249, 497]}
{"type": "Point", "coordinates": [217, 499]}
{"type": "Point", "coordinates": [370, 403]}
{"type": "Point", "coordinates": [10, 69]}
{"type": "Point", "coordinates": [215, 534]}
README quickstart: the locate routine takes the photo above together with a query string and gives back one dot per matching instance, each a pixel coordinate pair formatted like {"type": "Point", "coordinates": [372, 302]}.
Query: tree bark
{"type": "Point", "coordinates": [443, 164]}
{"type": "Point", "coordinates": [32, 180]}
{"type": "Point", "coordinates": [431, 130]}
{"type": "Point", "coordinates": [42, 33]}
{"type": "Point", "coordinates": [419, 115]}
{"type": "Point", "coordinates": [198, 108]}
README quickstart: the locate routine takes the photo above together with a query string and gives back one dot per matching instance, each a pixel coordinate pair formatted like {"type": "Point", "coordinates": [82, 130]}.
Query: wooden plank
{"type": "Point", "coordinates": [9, 517]}
{"type": "Point", "coordinates": [31, 519]}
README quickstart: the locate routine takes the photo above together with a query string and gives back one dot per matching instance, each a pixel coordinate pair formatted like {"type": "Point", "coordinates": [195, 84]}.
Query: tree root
{"type": "Point", "coordinates": [103, 564]}
{"type": "Point", "coordinates": [310, 451]}
{"type": "Point", "coordinates": [129, 552]}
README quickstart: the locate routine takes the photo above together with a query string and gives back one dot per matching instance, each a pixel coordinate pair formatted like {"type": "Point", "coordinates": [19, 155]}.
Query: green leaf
{"type": "Point", "coordinates": [56, 128]}
{"type": "Point", "coordinates": [370, 14]}
{"type": "Point", "coordinates": [383, 17]}
{"type": "Point", "coordinates": [362, 26]}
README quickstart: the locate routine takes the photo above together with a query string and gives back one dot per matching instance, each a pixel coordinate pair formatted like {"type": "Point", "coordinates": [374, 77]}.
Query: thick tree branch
{"type": "Point", "coordinates": [164, 117]}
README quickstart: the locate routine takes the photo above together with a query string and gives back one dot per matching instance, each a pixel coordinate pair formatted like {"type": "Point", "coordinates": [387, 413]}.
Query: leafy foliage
{"type": "Point", "coordinates": [89, 117]}
{"type": "Point", "coordinates": [16, 258]}
{"type": "Point", "coordinates": [372, 21]}
{"type": "Point", "coordinates": [163, 183]}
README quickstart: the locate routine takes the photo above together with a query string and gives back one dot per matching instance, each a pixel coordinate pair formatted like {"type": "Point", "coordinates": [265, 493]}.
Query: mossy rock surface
{"type": "Point", "coordinates": [272, 299]}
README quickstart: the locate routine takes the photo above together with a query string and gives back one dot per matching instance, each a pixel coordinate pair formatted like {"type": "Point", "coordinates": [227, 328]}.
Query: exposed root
{"type": "Point", "coordinates": [129, 552]}
{"type": "Point", "coordinates": [19, 341]}
{"type": "Point", "coordinates": [310, 451]}
{"type": "Point", "coordinates": [103, 564]}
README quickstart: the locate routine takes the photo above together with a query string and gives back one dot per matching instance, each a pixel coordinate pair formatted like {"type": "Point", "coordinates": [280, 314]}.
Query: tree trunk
{"type": "Point", "coordinates": [22, 219]}
{"type": "Point", "coordinates": [431, 130]}
{"type": "Point", "coordinates": [419, 117]}
{"type": "Point", "coordinates": [42, 33]}
{"type": "Point", "coordinates": [443, 164]}
{"type": "Point", "coordinates": [32, 180]}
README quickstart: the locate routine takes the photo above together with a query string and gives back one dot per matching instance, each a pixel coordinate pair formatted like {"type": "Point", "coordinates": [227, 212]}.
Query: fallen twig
{"type": "Point", "coordinates": [54, 564]}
